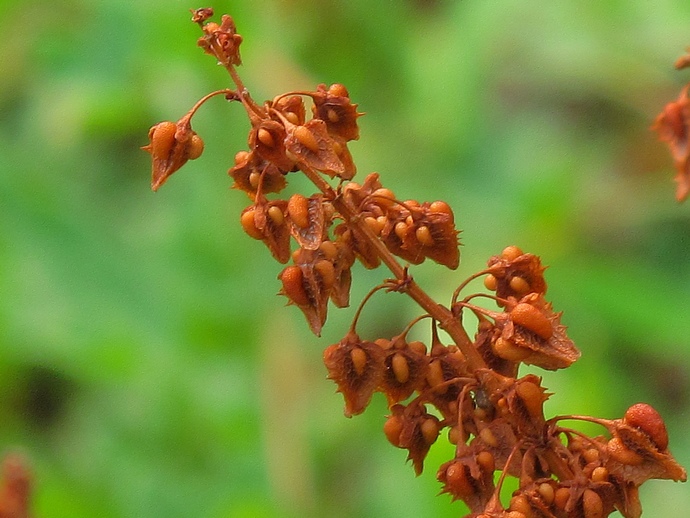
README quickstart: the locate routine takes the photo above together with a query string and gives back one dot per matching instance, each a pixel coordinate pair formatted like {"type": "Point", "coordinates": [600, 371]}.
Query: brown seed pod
{"type": "Point", "coordinates": [647, 419]}
{"type": "Point", "coordinates": [298, 210]}
{"type": "Point", "coordinates": [531, 318]}
{"type": "Point", "coordinates": [592, 505]}
{"type": "Point", "coordinates": [306, 138]}
{"type": "Point", "coordinates": [393, 428]}
{"type": "Point", "coordinates": [293, 285]}
{"type": "Point", "coordinates": [621, 453]}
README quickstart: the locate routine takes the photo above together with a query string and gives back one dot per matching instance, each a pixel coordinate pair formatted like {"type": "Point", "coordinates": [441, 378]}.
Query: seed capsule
{"type": "Point", "coordinates": [329, 250]}
{"type": "Point", "coordinates": [435, 376]}
{"type": "Point", "coordinates": [249, 225]}
{"type": "Point", "coordinates": [509, 350]}
{"type": "Point", "coordinates": [440, 207]}
{"type": "Point", "coordinates": [306, 138]}
{"type": "Point", "coordinates": [520, 504]}
{"type": "Point", "coordinates": [547, 492]}
{"type": "Point", "coordinates": [374, 224]}
{"type": "Point", "coordinates": [400, 367]}
{"type": "Point", "coordinates": [400, 229]}
{"type": "Point", "coordinates": [429, 430]}
{"type": "Point", "coordinates": [531, 318]}
{"type": "Point", "coordinates": [532, 397]}
{"type": "Point", "coordinates": [276, 215]}
{"type": "Point", "coordinates": [619, 452]}
{"type": "Point", "coordinates": [292, 117]}
{"type": "Point", "coordinates": [488, 437]}
{"type": "Point", "coordinates": [293, 285]}
{"type": "Point", "coordinates": [457, 481]}
{"type": "Point", "coordinates": [486, 460]}
{"type": "Point", "coordinates": [561, 497]}
{"type": "Point", "coordinates": [332, 115]}
{"type": "Point", "coordinates": [195, 147]}
{"type": "Point", "coordinates": [600, 474]}
{"type": "Point", "coordinates": [383, 197]}
{"type": "Point", "coordinates": [519, 285]}
{"type": "Point", "coordinates": [162, 137]}
{"type": "Point", "coordinates": [592, 504]}
{"type": "Point", "coordinates": [298, 210]}
{"type": "Point", "coordinates": [590, 455]}
{"type": "Point", "coordinates": [265, 137]}
{"type": "Point", "coordinates": [417, 347]}
{"type": "Point", "coordinates": [423, 235]}
{"type": "Point", "coordinates": [326, 270]}
{"type": "Point", "coordinates": [383, 343]}
{"type": "Point", "coordinates": [510, 253]}
{"type": "Point", "coordinates": [241, 156]}
{"type": "Point", "coordinates": [338, 90]}
{"type": "Point", "coordinates": [490, 282]}
{"type": "Point", "coordinates": [254, 179]}
{"type": "Point", "coordinates": [393, 428]}
{"type": "Point", "coordinates": [359, 360]}
{"type": "Point", "coordinates": [647, 419]}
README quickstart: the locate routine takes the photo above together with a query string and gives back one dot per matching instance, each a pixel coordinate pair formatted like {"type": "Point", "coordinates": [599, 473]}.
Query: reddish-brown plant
{"type": "Point", "coordinates": [673, 127]}
{"type": "Point", "coordinates": [470, 387]}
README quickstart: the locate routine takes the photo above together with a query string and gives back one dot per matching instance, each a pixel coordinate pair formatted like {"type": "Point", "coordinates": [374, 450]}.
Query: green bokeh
{"type": "Point", "coordinates": [147, 368]}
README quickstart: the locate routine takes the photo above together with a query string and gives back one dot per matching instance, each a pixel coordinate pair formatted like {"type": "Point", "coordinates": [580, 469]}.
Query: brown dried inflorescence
{"type": "Point", "coordinates": [467, 388]}
{"type": "Point", "coordinates": [673, 127]}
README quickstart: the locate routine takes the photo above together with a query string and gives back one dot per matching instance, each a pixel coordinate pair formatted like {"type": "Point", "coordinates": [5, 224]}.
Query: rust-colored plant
{"type": "Point", "coordinates": [673, 127]}
{"type": "Point", "coordinates": [469, 387]}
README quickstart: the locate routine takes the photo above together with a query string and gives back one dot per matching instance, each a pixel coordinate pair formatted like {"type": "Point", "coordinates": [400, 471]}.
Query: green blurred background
{"type": "Point", "coordinates": [146, 366]}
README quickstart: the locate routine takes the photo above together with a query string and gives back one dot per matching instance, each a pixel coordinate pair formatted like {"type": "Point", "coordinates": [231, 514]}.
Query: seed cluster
{"type": "Point", "coordinates": [468, 388]}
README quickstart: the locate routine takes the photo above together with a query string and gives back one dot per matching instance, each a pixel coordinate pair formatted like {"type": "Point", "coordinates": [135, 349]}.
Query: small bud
{"type": "Point", "coordinates": [490, 282]}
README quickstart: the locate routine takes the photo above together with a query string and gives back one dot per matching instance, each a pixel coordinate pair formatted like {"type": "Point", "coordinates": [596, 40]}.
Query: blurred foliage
{"type": "Point", "coordinates": [146, 367]}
